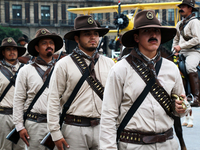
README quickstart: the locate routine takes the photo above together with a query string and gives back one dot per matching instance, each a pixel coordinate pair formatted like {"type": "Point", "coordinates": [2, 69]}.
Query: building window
{"type": "Point", "coordinates": [164, 18]}
{"type": "Point", "coordinates": [27, 12]}
{"type": "Point", "coordinates": [36, 20]}
{"type": "Point", "coordinates": [55, 13]}
{"type": "Point", "coordinates": [45, 14]}
{"type": "Point", "coordinates": [7, 12]}
{"type": "Point", "coordinates": [171, 16]}
{"type": "Point", "coordinates": [17, 14]}
{"type": "Point", "coordinates": [125, 12]}
{"type": "Point", "coordinates": [63, 12]}
{"type": "Point", "coordinates": [107, 18]}
{"type": "Point", "coordinates": [71, 16]}
{"type": "Point", "coordinates": [98, 17]}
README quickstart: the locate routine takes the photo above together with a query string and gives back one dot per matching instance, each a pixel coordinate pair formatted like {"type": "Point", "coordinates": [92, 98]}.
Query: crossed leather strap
{"type": "Point", "coordinates": [145, 71]}
{"type": "Point", "coordinates": [92, 80]}
{"type": "Point", "coordinates": [43, 74]}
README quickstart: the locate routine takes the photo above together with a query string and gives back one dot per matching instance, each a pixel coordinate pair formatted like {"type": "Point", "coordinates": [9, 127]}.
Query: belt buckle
{"type": "Point", "coordinates": [1, 109]}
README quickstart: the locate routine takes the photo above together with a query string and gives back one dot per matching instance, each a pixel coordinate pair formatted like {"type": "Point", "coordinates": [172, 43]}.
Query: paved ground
{"type": "Point", "coordinates": [192, 135]}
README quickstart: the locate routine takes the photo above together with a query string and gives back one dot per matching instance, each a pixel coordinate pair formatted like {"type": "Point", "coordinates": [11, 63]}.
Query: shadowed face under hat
{"type": "Point", "coordinates": [21, 39]}
{"type": "Point", "coordinates": [83, 23]}
{"type": "Point", "coordinates": [190, 3]}
{"type": "Point", "coordinates": [147, 19]}
{"type": "Point", "coordinates": [41, 34]}
{"type": "Point", "coordinates": [10, 42]}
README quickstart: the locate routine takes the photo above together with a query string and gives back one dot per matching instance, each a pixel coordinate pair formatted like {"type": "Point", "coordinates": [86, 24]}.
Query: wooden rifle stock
{"type": "Point", "coordinates": [48, 142]}
{"type": "Point", "coordinates": [13, 136]}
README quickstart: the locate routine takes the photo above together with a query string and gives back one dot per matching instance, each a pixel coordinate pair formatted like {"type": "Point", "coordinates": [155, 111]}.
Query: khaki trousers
{"type": "Point", "coordinates": [36, 132]}
{"type": "Point", "coordinates": [81, 138]}
{"type": "Point", "coordinates": [6, 125]}
{"type": "Point", "coordinates": [168, 145]}
{"type": "Point", "coordinates": [192, 60]}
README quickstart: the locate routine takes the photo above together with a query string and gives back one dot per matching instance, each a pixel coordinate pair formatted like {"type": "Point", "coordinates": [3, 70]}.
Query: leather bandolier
{"type": "Point", "coordinates": [164, 100]}
{"type": "Point", "coordinates": [8, 74]}
{"type": "Point", "coordinates": [157, 91]}
{"type": "Point", "coordinates": [36, 117]}
{"type": "Point", "coordinates": [5, 72]}
{"type": "Point", "coordinates": [95, 84]}
{"type": "Point", "coordinates": [187, 38]}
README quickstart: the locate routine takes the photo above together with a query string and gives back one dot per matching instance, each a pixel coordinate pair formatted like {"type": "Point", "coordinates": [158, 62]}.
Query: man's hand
{"type": "Point", "coordinates": [24, 136]}
{"type": "Point", "coordinates": [177, 49]}
{"type": "Point", "coordinates": [60, 144]}
{"type": "Point", "coordinates": [178, 105]}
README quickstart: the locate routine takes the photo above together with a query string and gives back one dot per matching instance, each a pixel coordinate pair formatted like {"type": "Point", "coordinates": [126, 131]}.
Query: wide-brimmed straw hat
{"type": "Point", "coordinates": [147, 19]}
{"type": "Point", "coordinates": [190, 3]}
{"type": "Point", "coordinates": [83, 23]}
{"type": "Point", "coordinates": [10, 42]}
{"type": "Point", "coordinates": [41, 34]}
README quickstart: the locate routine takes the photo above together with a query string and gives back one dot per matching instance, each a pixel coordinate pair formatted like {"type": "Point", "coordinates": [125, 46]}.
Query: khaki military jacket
{"type": "Point", "coordinates": [190, 30]}
{"type": "Point", "coordinates": [7, 101]}
{"type": "Point", "coordinates": [64, 79]}
{"type": "Point", "coordinates": [123, 86]}
{"type": "Point", "coordinates": [28, 83]}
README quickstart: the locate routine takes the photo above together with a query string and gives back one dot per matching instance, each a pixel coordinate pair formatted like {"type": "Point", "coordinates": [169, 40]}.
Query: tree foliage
{"type": "Point", "coordinates": [9, 32]}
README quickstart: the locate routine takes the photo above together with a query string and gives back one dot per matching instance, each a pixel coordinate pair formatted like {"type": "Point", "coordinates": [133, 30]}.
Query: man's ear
{"type": "Point", "coordinates": [136, 37]}
{"type": "Point", "coordinates": [190, 8]}
{"type": "Point", "coordinates": [37, 48]}
{"type": "Point", "coordinates": [76, 39]}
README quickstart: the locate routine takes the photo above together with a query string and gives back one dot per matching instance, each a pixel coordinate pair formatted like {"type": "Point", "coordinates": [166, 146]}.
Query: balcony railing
{"type": "Point", "coordinates": [110, 1]}
{"type": "Point", "coordinates": [24, 22]}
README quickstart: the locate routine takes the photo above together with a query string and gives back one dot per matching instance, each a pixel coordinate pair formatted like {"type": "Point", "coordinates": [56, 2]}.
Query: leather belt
{"type": "Point", "coordinates": [145, 138]}
{"type": "Point", "coordinates": [81, 121]}
{"type": "Point", "coordinates": [39, 118]}
{"type": "Point", "coordinates": [6, 111]}
{"type": "Point", "coordinates": [196, 47]}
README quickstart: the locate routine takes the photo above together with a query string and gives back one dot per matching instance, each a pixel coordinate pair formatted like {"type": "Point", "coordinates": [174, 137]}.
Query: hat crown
{"type": "Point", "coordinates": [42, 32]}
{"type": "Point", "coordinates": [85, 21]}
{"type": "Point", "coordinates": [9, 41]}
{"type": "Point", "coordinates": [189, 2]}
{"type": "Point", "coordinates": [144, 18]}
{"type": "Point", "coordinates": [21, 38]}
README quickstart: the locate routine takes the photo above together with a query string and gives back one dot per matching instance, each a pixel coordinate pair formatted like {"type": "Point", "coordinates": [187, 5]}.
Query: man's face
{"type": "Point", "coordinates": [88, 40]}
{"type": "Point", "coordinates": [148, 40]}
{"type": "Point", "coordinates": [10, 53]}
{"type": "Point", "coordinates": [185, 10]}
{"type": "Point", "coordinates": [45, 47]}
{"type": "Point", "coordinates": [22, 43]}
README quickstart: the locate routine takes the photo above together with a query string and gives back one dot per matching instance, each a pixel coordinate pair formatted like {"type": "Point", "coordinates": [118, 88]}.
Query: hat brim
{"type": "Point", "coordinates": [21, 50]}
{"type": "Point", "coordinates": [70, 35]}
{"type": "Point", "coordinates": [183, 3]}
{"type": "Point", "coordinates": [57, 41]}
{"type": "Point", "coordinates": [166, 35]}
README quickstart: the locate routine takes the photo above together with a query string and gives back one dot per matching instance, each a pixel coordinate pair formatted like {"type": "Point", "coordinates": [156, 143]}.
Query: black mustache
{"type": "Point", "coordinates": [49, 48]}
{"type": "Point", "coordinates": [153, 39]}
{"type": "Point", "coordinates": [180, 11]}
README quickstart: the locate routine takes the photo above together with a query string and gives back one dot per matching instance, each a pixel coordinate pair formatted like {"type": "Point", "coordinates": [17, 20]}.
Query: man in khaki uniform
{"type": "Point", "coordinates": [150, 128]}
{"type": "Point", "coordinates": [187, 42]}
{"type": "Point", "coordinates": [29, 81]}
{"type": "Point", "coordinates": [80, 130]}
{"type": "Point", "coordinates": [9, 65]}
